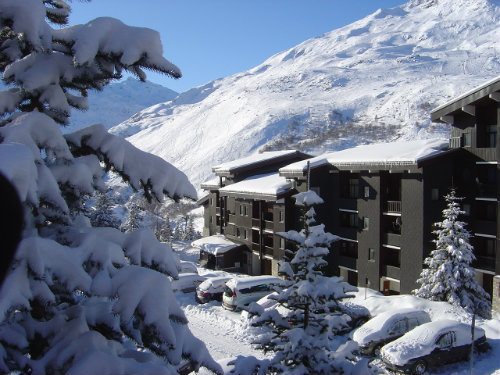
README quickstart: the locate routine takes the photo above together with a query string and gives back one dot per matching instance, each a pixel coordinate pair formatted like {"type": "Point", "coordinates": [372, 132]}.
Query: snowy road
{"type": "Point", "coordinates": [222, 331]}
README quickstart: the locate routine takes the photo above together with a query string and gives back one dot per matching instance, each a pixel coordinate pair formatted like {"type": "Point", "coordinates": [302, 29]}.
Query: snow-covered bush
{"type": "Point", "coordinates": [300, 334]}
{"type": "Point", "coordinates": [80, 299]}
{"type": "Point", "coordinates": [449, 275]}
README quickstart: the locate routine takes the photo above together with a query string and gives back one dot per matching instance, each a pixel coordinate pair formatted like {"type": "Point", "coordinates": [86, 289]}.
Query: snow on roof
{"type": "Point", "coordinates": [247, 282]}
{"type": "Point", "coordinates": [466, 94]}
{"type": "Point", "coordinates": [212, 182]}
{"type": "Point", "coordinates": [253, 159]}
{"type": "Point", "coordinates": [267, 184]}
{"type": "Point", "coordinates": [393, 153]}
{"type": "Point", "coordinates": [216, 244]}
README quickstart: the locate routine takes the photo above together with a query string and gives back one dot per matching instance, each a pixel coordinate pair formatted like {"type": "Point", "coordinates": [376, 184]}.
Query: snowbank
{"type": "Point", "coordinates": [216, 244]}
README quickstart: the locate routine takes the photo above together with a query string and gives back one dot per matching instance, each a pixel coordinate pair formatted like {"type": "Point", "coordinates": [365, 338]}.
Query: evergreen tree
{"type": "Point", "coordinates": [80, 299]}
{"type": "Point", "coordinates": [301, 333]}
{"type": "Point", "coordinates": [103, 215]}
{"type": "Point", "coordinates": [134, 219]}
{"type": "Point", "coordinates": [449, 275]}
{"type": "Point", "coordinates": [165, 232]}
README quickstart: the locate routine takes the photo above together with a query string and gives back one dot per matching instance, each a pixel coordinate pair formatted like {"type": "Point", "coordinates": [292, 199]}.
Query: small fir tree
{"type": "Point", "coordinates": [103, 215]}
{"type": "Point", "coordinates": [449, 275]}
{"type": "Point", "coordinates": [301, 332]}
{"type": "Point", "coordinates": [134, 218]}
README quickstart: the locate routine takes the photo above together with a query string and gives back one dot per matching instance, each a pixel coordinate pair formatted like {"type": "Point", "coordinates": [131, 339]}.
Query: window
{"type": "Point", "coordinates": [349, 219]}
{"type": "Point", "coordinates": [446, 340]}
{"type": "Point", "coordinates": [435, 194]}
{"type": "Point", "coordinates": [243, 210]}
{"type": "Point", "coordinates": [367, 192]}
{"type": "Point", "coordinates": [466, 209]}
{"type": "Point", "coordinates": [491, 136]}
{"type": "Point", "coordinates": [349, 249]}
{"type": "Point", "coordinates": [245, 234]}
{"type": "Point", "coordinates": [238, 232]}
{"type": "Point", "coordinates": [353, 188]}
{"type": "Point", "coordinates": [366, 223]}
{"type": "Point", "coordinates": [282, 243]}
{"type": "Point", "coordinates": [399, 328]}
{"type": "Point", "coordinates": [371, 254]}
{"type": "Point", "coordinates": [467, 139]}
{"type": "Point", "coordinates": [281, 216]}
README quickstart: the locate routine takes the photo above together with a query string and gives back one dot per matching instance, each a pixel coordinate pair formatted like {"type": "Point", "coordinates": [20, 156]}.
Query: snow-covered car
{"type": "Point", "coordinates": [211, 289]}
{"type": "Point", "coordinates": [240, 292]}
{"type": "Point", "coordinates": [188, 267]}
{"type": "Point", "coordinates": [432, 344]}
{"type": "Point", "coordinates": [387, 327]}
{"type": "Point", "coordinates": [187, 282]}
{"type": "Point", "coordinates": [352, 314]}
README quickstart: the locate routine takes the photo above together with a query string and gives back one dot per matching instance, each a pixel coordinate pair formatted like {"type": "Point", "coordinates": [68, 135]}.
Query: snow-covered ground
{"type": "Point", "coordinates": [226, 336]}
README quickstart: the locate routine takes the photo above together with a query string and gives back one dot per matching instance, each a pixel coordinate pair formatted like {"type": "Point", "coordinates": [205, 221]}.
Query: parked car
{"type": "Point", "coordinates": [387, 327]}
{"type": "Point", "coordinates": [187, 282]}
{"type": "Point", "coordinates": [432, 344]}
{"type": "Point", "coordinates": [356, 314]}
{"type": "Point", "coordinates": [188, 267]}
{"type": "Point", "coordinates": [211, 289]}
{"type": "Point", "coordinates": [240, 292]}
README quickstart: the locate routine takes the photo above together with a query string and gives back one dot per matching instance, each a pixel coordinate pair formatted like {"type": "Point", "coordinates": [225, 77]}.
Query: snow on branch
{"type": "Point", "coordinates": [142, 170]}
{"type": "Point", "coordinates": [109, 37]}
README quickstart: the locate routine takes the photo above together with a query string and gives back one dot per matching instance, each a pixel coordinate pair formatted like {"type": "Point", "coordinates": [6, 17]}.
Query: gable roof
{"type": "Point", "coordinates": [487, 91]}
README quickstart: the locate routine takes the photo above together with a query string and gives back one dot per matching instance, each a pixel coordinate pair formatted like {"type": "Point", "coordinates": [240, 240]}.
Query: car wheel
{"type": "Point", "coordinates": [419, 367]}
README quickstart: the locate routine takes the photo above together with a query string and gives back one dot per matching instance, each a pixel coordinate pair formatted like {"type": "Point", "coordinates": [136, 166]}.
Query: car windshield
{"type": "Point", "coordinates": [228, 292]}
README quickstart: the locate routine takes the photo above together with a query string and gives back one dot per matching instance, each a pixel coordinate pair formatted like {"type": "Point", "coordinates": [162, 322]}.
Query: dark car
{"type": "Point", "coordinates": [432, 344]}
{"type": "Point", "coordinates": [211, 289]}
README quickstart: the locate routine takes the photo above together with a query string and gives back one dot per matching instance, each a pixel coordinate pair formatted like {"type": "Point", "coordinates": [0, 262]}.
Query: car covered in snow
{"type": "Point", "coordinates": [188, 267]}
{"type": "Point", "coordinates": [432, 344]}
{"type": "Point", "coordinates": [211, 289]}
{"type": "Point", "coordinates": [387, 327]}
{"type": "Point", "coordinates": [240, 292]}
{"type": "Point", "coordinates": [352, 315]}
{"type": "Point", "coordinates": [187, 282]}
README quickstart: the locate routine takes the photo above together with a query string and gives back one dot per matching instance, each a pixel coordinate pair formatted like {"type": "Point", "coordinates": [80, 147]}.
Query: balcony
{"type": "Point", "coordinates": [268, 225]}
{"type": "Point", "coordinates": [484, 263]}
{"type": "Point", "coordinates": [485, 227]}
{"type": "Point", "coordinates": [255, 223]}
{"type": "Point", "coordinates": [455, 142]}
{"type": "Point", "coordinates": [393, 206]}
{"type": "Point", "coordinates": [486, 153]}
{"type": "Point", "coordinates": [268, 251]}
{"type": "Point", "coordinates": [391, 271]}
{"type": "Point", "coordinates": [347, 262]}
{"type": "Point", "coordinates": [256, 247]}
{"type": "Point", "coordinates": [486, 190]}
{"type": "Point", "coordinates": [391, 239]}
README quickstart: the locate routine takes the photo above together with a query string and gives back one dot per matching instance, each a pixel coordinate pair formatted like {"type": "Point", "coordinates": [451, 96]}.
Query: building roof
{"type": "Point", "coordinates": [254, 161]}
{"type": "Point", "coordinates": [266, 187]}
{"type": "Point", "coordinates": [376, 155]}
{"type": "Point", "coordinates": [213, 183]}
{"type": "Point", "coordinates": [216, 245]}
{"type": "Point", "coordinates": [488, 90]}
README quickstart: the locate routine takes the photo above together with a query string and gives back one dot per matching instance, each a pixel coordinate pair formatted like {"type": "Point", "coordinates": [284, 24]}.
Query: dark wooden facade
{"type": "Point", "coordinates": [474, 119]}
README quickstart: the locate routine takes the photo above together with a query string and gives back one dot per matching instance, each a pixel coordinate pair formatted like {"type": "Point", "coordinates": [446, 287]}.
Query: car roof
{"type": "Point", "coordinates": [253, 281]}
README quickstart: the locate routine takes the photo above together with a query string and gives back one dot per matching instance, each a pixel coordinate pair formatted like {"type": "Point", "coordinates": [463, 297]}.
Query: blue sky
{"type": "Point", "coordinates": [210, 39]}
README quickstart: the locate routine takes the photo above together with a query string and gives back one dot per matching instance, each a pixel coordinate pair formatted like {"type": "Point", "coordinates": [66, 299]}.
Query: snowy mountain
{"type": "Point", "coordinates": [118, 102]}
{"type": "Point", "coordinates": [375, 79]}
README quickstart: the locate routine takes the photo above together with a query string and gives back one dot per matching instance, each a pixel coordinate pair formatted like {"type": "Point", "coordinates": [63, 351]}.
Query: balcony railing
{"type": "Point", "coordinates": [455, 142]}
{"type": "Point", "coordinates": [268, 251]}
{"type": "Point", "coordinates": [484, 263]}
{"type": "Point", "coordinates": [392, 239]}
{"type": "Point", "coordinates": [393, 206]}
{"type": "Point", "coordinates": [391, 271]}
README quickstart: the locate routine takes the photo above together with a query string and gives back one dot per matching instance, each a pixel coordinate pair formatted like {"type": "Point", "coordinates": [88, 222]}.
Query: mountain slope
{"type": "Point", "coordinates": [117, 102]}
{"type": "Point", "coordinates": [374, 79]}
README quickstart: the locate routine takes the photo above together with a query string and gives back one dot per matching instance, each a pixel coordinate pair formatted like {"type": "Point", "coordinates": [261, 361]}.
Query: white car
{"type": "Point", "coordinates": [432, 344]}
{"type": "Point", "coordinates": [240, 292]}
{"type": "Point", "coordinates": [386, 327]}
{"type": "Point", "coordinates": [187, 282]}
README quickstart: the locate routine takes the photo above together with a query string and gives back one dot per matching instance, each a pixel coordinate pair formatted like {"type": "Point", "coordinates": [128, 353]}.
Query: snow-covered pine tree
{"type": "Point", "coordinates": [102, 214]}
{"type": "Point", "coordinates": [449, 275]}
{"type": "Point", "coordinates": [301, 332]}
{"type": "Point", "coordinates": [164, 233]}
{"type": "Point", "coordinates": [134, 218]}
{"type": "Point", "coordinates": [79, 299]}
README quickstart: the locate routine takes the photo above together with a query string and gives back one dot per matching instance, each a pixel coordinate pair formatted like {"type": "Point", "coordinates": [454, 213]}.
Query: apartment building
{"type": "Point", "coordinates": [474, 118]}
